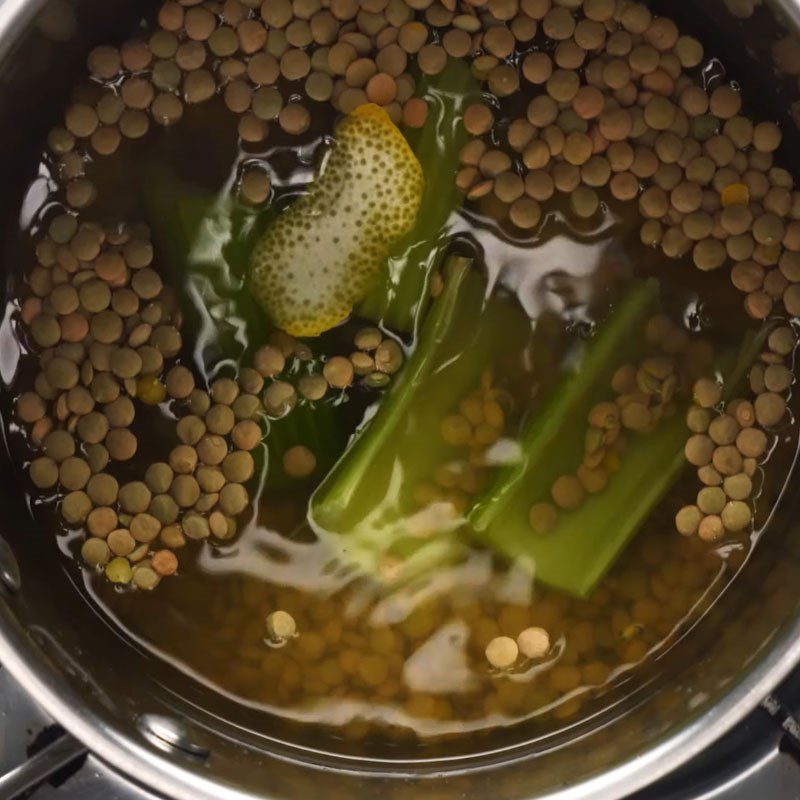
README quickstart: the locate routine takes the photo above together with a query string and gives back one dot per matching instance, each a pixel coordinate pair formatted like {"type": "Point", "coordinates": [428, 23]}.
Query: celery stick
{"type": "Point", "coordinates": [585, 543]}
{"type": "Point", "coordinates": [400, 296]}
{"type": "Point", "coordinates": [553, 441]}
{"type": "Point", "coordinates": [203, 242]}
{"type": "Point", "coordinates": [197, 229]}
{"type": "Point", "coordinates": [368, 494]}
{"type": "Point", "coordinates": [736, 369]}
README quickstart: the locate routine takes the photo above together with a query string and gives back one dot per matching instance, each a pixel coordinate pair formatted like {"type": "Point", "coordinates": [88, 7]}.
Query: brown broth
{"type": "Point", "coordinates": [409, 662]}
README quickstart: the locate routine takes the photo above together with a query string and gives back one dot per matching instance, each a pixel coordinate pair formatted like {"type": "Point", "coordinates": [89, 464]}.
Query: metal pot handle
{"type": "Point", "coordinates": [41, 766]}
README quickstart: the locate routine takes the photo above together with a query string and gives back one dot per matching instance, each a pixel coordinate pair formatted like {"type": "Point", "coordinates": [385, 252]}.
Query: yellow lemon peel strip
{"type": "Point", "coordinates": [321, 256]}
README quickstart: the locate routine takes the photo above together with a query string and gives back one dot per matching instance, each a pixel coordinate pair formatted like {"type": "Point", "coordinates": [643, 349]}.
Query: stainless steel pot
{"type": "Point", "coordinates": [175, 736]}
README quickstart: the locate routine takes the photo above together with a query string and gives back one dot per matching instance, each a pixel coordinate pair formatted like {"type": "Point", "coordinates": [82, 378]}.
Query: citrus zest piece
{"type": "Point", "coordinates": [321, 256]}
{"type": "Point", "coordinates": [735, 194]}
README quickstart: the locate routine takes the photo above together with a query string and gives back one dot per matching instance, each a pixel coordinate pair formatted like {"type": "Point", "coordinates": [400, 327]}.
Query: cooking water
{"type": "Point", "coordinates": [408, 664]}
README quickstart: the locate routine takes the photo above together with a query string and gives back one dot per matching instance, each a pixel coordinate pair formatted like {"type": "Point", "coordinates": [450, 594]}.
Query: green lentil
{"type": "Point", "coordinates": [119, 570]}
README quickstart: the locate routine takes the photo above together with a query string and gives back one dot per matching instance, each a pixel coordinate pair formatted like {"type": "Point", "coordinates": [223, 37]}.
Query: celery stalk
{"type": "Point", "coordinates": [553, 441]}
{"type": "Point", "coordinates": [737, 368]}
{"type": "Point", "coordinates": [585, 543]}
{"type": "Point", "coordinates": [400, 296]}
{"type": "Point", "coordinates": [368, 494]}
{"type": "Point", "coordinates": [203, 241]}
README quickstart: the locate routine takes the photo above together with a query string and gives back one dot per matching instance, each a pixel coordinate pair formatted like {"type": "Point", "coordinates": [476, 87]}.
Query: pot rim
{"type": "Point", "coordinates": [150, 767]}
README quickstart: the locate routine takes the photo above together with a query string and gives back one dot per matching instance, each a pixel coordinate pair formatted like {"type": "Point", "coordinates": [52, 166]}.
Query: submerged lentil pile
{"type": "Point", "coordinates": [616, 108]}
{"type": "Point", "coordinates": [503, 657]}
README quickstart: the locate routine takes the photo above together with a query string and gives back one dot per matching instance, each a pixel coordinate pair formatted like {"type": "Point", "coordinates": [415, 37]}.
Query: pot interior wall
{"type": "Point", "coordinates": [68, 641]}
